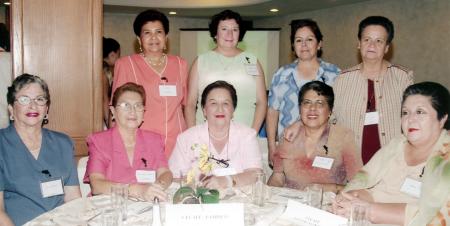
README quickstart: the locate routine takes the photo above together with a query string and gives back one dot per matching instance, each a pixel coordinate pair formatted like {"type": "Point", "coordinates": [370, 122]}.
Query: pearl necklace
{"type": "Point", "coordinates": [157, 62]}
{"type": "Point", "coordinates": [217, 138]}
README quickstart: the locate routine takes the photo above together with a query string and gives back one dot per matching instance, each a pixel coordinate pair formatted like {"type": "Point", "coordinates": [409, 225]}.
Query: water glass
{"type": "Point", "coordinates": [359, 214]}
{"type": "Point", "coordinates": [110, 217]}
{"type": "Point", "coordinates": [314, 195]}
{"type": "Point", "coordinates": [258, 189]}
{"type": "Point", "coordinates": [119, 197]}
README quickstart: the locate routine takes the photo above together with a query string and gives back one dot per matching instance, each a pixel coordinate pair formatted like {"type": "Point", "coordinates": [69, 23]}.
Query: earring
{"type": "Point", "coordinates": [45, 121]}
{"type": "Point", "coordinates": [11, 118]}
{"type": "Point", "coordinates": [140, 48]}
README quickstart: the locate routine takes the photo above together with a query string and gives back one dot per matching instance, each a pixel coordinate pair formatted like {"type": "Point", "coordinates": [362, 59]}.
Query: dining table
{"type": "Point", "coordinates": [87, 211]}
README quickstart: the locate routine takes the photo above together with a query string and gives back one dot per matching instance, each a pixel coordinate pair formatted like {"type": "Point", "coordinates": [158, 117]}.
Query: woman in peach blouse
{"type": "Point", "coordinates": [321, 153]}
{"type": "Point", "coordinates": [163, 77]}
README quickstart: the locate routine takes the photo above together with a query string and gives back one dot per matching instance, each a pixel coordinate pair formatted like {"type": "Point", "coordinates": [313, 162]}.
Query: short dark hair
{"type": "Point", "coordinates": [226, 15]}
{"type": "Point", "coordinates": [439, 98]}
{"type": "Point", "coordinates": [23, 80]}
{"type": "Point", "coordinates": [312, 25]}
{"type": "Point", "coordinates": [377, 20]}
{"type": "Point", "coordinates": [219, 85]}
{"type": "Point", "coordinates": [110, 45]}
{"type": "Point", "coordinates": [148, 16]}
{"type": "Point", "coordinates": [4, 37]}
{"type": "Point", "coordinates": [128, 87]}
{"type": "Point", "coordinates": [321, 89]}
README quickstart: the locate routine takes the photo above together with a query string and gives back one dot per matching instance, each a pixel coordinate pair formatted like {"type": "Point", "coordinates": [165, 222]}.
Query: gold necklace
{"type": "Point", "coordinates": [156, 62]}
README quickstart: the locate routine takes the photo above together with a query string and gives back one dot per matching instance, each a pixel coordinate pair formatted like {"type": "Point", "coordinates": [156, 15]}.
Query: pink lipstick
{"type": "Point", "coordinates": [32, 114]}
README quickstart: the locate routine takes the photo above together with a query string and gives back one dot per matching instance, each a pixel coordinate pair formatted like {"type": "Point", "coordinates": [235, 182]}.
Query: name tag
{"type": "Point", "coordinates": [145, 176]}
{"type": "Point", "coordinates": [323, 162]}
{"type": "Point", "coordinates": [168, 90]}
{"type": "Point", "coordinates": [371, 118]}
{"type": "Point", "coordinates": [52, 188]}
{"type": "Point", "coordinates": [205, 215]}
{"type": "Point", "coordinates": [411, 187]}
{"type": "Point", "coordinates": [218, 172]}
{"type": "Point", "coordinates": [251, 69]}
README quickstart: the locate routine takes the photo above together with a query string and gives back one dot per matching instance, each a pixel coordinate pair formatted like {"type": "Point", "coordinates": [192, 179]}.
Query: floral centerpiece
{"type": "Point", "coordinates": [203, 168]}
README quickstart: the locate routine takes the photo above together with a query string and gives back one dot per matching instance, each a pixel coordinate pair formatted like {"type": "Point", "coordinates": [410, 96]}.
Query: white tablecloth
{"type": "Point", "coordinates": [78, 212]}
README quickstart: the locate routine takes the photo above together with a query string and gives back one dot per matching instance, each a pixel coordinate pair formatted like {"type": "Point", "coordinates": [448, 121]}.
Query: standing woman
{"type": "Point", "coordinates": [37, 168]}
{"type": "Point", "coordinates": [306, 42]}
{"type": "Point", "coordinates": [228, 63]}
{"type": "Point", "coordinates": [111, 53]}
{"type": "Point", "coordinates": [369, 95]}
{"type": "Point", "coordinates": [163, 77]}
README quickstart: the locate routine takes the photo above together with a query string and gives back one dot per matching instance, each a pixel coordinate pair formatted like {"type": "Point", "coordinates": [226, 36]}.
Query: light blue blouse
{"type": "Point", "coordinates": [285, 86]}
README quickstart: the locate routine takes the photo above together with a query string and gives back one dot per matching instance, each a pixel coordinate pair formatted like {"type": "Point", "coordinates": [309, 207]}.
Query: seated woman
{"type": "Point", "coordinates": [127, 154]}
{"type": "Point", "coordinates": [37, 168]}
{"type": "Point", "coordinates": [233, 148]}
{"type": "Point", "coordinates": [320, 153]}
{"type": "Point", "coordinates": [407, 181]}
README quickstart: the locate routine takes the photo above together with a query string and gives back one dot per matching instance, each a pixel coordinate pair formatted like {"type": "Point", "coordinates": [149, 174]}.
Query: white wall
{"type": "Point", "coordinates": [421, 42]}
{"type": "Point", "coordinates": [120, 27]}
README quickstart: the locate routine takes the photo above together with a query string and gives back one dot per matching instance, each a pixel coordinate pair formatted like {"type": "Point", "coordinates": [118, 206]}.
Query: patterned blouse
{"type": "Point", "coordinates": [336, 142]}
{"type": "Point", "coordinates": [286, 84]}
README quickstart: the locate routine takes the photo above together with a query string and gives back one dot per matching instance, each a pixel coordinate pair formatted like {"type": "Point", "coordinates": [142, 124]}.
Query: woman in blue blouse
{"type": "Point", "coordinates": [306, 42]}
{"type": "Point", "coordinates": [37, 168]}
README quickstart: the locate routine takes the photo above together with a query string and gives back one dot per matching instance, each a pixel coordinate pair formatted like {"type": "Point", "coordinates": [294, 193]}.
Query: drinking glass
{"type": "Point", "coordinates": [314, 195]}
{"type": "Point", "coordinates": [110, 217]}
{"type": "Point", "coordinates": [359, 214]}
{"type": "Point", "coordinates": [119, 197]}
{"type": "Point", "coordinates": [258, 189]}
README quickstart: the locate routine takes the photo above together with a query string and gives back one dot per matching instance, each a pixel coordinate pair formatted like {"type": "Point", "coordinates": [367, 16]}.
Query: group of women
{"type": "Point", "coordinates": [165, 120]}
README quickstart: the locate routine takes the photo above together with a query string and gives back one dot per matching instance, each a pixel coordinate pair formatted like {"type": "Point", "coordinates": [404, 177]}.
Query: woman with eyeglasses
{"type": "Point", "coordinates": [232, 147]}
{"type": "Point", "coordinates": [37, 168]}
{"type": "Point", "coordinates": [321, 153]}
{"type": "Point", "coordinates": [163, 76]}
{"type": "Point", "coordinates": [306, 42]}
{"type": "Point", "coordinates": [369, 95]}
{"type": "Point", "coordinates": [126, 154]}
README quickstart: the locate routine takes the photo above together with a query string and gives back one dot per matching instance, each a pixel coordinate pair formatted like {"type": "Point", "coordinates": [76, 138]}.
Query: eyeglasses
{"type": "Point", "coordinates": [309, 103]}
{"type": "Point", "coordinates": [138, 107]}
{"type": "Point", "coordinates": [26, 100]}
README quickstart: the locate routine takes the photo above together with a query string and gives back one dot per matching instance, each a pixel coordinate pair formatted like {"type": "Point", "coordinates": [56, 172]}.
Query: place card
{"type": "Point", "coordinates": [205, 214]}
{"type": "Point", "coordinates": [305, 215]}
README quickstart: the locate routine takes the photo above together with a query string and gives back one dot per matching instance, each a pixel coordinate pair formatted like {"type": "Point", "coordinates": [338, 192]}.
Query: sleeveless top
{"type": "Point", "coordinates": [213, 66]}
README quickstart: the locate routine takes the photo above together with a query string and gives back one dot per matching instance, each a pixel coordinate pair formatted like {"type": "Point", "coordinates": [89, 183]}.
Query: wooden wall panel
{"type": "Point", "coordinates": [61, 42]}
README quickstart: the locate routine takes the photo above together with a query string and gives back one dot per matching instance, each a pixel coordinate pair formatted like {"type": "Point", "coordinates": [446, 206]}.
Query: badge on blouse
{"type": "Point", "coordinates": [218, 172]}
{"type": "Point", "coordinates": [411, 187]}
{"type": "Point", "coordinates": [168, 90]}
{"type": "Point", "coordinates": [145, 176]}
{"type": "Point", "coordinates": [371, 118]}
{"type": "Point", "coordinates": [323, 162]}
{"type": "Point", "coordinates": [251, 69]}
{"type": "Point", "coordinates": [52, 187]}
